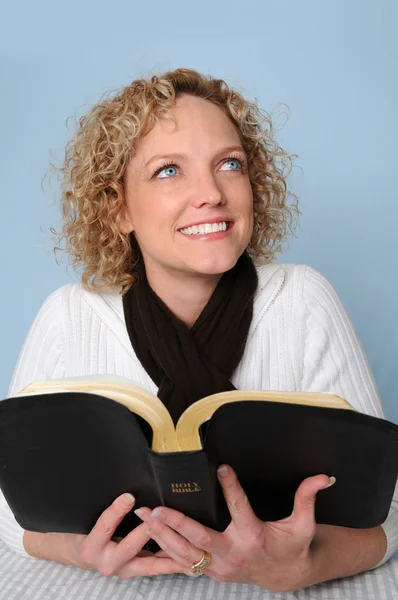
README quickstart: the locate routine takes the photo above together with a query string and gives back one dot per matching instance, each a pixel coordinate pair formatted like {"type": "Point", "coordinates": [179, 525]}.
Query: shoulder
{"type": "Point", "coordinates": [300, 278]}
{"type": "Point", "coordinates": [296, 289]}
{"type": "Point", "coordinates": [297, 280]}
{"type": "Point", "coordinates": [71, 305]}
{"type": "Point", "coordinates": [75, 296]}
{"type": "Point", "coordinates": [86, 313]}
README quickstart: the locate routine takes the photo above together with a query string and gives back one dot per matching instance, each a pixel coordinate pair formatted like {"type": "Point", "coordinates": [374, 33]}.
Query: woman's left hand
{"type": "Point", "coordinates": [273, 555]}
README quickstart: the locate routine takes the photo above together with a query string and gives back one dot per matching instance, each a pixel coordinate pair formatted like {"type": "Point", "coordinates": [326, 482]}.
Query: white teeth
{"type": "Point", "coordinates": [205, 228]}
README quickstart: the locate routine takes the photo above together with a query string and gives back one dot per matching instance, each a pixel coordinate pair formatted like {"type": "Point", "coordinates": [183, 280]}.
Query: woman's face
{"type": "Point", "coordinates": [188, 195]}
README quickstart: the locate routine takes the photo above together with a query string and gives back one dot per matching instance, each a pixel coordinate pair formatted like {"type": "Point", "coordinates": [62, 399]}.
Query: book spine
{"type": "Point", "coordinates": [188, 483]}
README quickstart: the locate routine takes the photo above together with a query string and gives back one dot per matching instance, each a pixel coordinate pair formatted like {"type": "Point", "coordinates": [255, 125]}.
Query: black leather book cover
{"type": "Point", "coordinates": [65, 457]}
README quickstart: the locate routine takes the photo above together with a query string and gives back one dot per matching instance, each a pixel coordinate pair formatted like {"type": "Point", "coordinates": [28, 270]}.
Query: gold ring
{"type": "Point", "coordinates": [202, 564]}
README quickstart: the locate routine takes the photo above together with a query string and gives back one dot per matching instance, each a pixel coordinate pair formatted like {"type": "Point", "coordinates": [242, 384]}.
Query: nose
{"type": "Point", "coordinates": [207, 191]}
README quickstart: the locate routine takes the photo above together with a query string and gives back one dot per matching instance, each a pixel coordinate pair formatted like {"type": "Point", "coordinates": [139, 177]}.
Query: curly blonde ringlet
{"type": "Point", "coordinates": [96, 158]}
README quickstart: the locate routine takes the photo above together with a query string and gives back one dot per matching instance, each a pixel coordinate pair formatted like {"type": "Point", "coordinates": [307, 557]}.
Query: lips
{"type": "Point", "coordinates": [204, 229]}
{"type": "Point", "coordinates": [208, 232]}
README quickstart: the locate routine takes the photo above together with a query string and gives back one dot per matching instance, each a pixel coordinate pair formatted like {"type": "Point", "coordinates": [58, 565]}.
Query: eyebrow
{"type": "Point", "coordinates": [178, 156]}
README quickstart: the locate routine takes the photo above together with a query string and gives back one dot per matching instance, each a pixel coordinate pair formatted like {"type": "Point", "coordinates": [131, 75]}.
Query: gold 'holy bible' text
{"type": "Point", "coordinates": [181, 488]}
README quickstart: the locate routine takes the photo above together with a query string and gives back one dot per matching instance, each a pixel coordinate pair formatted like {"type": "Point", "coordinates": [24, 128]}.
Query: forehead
{"type": "Point", "coordinates": [196, 123]}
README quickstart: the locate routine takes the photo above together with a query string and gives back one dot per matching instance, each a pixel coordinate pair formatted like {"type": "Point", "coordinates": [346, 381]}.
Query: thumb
{"type": "Point", "coordinates": [303, 515]}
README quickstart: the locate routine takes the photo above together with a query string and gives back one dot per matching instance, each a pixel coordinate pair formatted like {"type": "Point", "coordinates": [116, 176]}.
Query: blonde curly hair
{"type": "Point", "coordinates": [92, 173]}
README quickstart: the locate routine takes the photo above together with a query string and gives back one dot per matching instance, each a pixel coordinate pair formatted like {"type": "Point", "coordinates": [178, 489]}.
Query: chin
{"type": "Point", "coordinates": [216, 265]}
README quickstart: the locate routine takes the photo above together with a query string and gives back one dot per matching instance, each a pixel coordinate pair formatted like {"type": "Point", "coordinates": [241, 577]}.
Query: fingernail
{"type": "Point", "coordinates": [158, 514]}
{"type": "Point", "coordinates": [128, 499]}
{"type": "Point", "coordinates": [140, 513]}
{"type": "Point", "coordinates": [332, 482]}
{"type": "Point", "coordinates": [223, 471]}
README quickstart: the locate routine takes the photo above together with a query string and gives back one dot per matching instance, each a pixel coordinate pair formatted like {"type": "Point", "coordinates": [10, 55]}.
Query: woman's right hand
{"type": "Point", "coordinates": [97, 551]}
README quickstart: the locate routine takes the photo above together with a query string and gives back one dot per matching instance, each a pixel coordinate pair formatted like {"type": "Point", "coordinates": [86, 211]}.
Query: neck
{"type": "Point", "coordinates": [185, 296]}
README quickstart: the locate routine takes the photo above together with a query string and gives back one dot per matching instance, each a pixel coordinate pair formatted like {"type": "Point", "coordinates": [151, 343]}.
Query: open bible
{"type": "Point", "coordinates": [68, 448]}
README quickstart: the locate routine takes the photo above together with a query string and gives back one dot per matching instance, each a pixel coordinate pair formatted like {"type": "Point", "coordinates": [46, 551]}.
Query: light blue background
{"type": "Point", "coordinates": [334, 63]}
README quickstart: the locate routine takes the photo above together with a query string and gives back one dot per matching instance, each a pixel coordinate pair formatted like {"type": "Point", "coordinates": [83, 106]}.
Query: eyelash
{"type": "Point", "coordinates": [240, 159]}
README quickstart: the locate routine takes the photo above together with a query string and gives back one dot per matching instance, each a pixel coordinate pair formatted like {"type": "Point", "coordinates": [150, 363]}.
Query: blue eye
{"type": "Point", "coordinates": [165, 169]}
{"type": "Point", "coordinates": [169, 170]}
{"type": "Point", "coordinates": [233, 160]}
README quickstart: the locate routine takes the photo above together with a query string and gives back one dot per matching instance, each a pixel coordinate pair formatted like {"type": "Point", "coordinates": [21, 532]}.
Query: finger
{"type": "Point", "coordinates": [105, 526]}
{"type": "Point", "coordinates": [186, 567]}
{"type": "Point", "coordinates": [303, 515]}
{"type": "Point", "coordinates": [130, 546]}
{"type": "Point", "coordinates": [150, 566]}
{"type": "Point", "coordinates": [177, 548]}
{"type": "Point", "coordinates": [239, 507]}
{"type": "Point", "coordinates": [164, 521]}
{"type": "Point", "coordinates": [161, 553]}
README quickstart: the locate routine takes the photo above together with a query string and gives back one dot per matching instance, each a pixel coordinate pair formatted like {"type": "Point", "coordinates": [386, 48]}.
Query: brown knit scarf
{"type": "Point", "coordinates": [190, 363]}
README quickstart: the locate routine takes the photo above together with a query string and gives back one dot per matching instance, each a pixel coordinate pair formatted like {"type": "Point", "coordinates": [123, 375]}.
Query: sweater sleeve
{"type": "Point", "coordinates": [334, 362]}
{"type": "Point", "coordinates": [39, 359]}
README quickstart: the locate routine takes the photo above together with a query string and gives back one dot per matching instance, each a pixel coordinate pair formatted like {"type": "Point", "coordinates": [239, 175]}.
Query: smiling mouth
{"type": "Point", "coordinates": [206, 228]}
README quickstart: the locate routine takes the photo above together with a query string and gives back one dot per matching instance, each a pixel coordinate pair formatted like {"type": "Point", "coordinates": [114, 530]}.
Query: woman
{"type": "Point", "coordinates": [171, 190]}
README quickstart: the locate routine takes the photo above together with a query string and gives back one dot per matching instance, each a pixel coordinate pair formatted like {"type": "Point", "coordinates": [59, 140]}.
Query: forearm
{"type": "Point", "coordinates": [53, 546]}
{"type": "Point", "coordinates": [340, 552]}
{"type": "Point", "coordinates": [11, 533]}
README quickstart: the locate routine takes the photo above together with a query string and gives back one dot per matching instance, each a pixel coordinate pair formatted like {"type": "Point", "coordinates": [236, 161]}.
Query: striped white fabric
{"type": "Point", "coordinates": [28, 579]}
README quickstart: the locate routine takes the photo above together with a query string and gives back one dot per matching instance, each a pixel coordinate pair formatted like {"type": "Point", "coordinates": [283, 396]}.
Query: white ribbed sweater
{"type": "Point", "coordinates": [300, 339]}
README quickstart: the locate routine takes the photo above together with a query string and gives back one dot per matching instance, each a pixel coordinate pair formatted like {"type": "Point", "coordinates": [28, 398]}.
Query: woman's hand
{"type": "Point", "coordinates": [98, 551]}
{"type": "Point", "coordinates": [273, 555]}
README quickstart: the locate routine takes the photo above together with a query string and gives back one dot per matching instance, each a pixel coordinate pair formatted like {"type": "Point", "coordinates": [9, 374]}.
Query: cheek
{"type": "Point", "coordinates": [246, 202]}
{"type": "Point", "coordinates": [153, 211]}
{"type": "Point", "coordinates": [245, 192]}
{"type": "Point", "coordinates": [248, 209]}
{"type": "Point", "coordinates": [155, 222]}
{"type": "Point", "coordinates": [164, 204]}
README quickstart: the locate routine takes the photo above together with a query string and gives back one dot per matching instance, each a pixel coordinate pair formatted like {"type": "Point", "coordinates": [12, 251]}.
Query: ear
{"type": "Point", "coordinates": [126, 224]}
